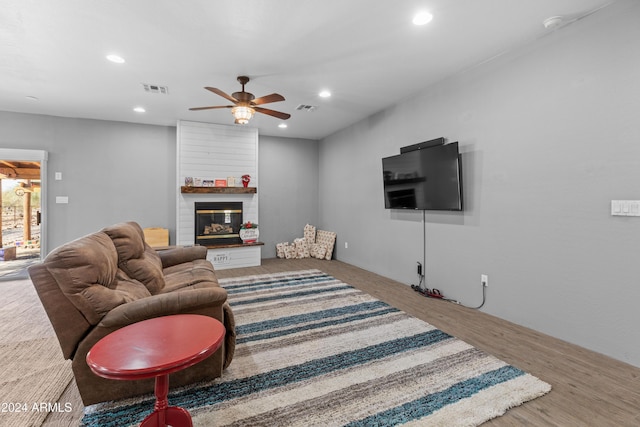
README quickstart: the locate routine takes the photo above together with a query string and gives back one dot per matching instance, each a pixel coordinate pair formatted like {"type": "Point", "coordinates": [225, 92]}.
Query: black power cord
{"type": "Point", "coordinates": [426, 292]}
{"type": "Point", "coordinates": [484, 298]}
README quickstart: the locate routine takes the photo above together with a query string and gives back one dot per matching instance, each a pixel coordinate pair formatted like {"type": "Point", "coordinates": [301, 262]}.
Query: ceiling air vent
{"type": "Point", "coordinates": [304, 107]}
{"type": "Point", "coordinates": [164, 90]}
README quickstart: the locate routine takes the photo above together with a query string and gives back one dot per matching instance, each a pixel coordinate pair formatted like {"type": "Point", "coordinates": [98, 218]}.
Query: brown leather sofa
{"type": "Point", "coordinates": [106, 280]}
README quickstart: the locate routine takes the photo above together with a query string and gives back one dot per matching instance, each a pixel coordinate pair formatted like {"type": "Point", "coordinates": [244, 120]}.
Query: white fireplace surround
{"type": "Point", "coordinates": [209, 151]}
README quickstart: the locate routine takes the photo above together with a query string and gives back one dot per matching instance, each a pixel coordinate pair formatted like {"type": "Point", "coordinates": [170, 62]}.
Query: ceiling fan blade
{"type": "Point", "coordinates": [222, 94]}
{"type": "Point", "coordinates": [278, 114]}
{"type": "Point", "coordinates": [274, 97]}
{"type": "Point", "coordinates": [210, 108]}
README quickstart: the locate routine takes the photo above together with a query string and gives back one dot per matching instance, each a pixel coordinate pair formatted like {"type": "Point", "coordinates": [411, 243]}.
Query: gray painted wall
{"type": "Point", "coordinates": [549, 136]}
{"type": "Point", "coordinates": [288, 190]}
{"type": "Point", "coordinates": [112, 171]}
{"type": "Point", "coordinates": [115, 171]}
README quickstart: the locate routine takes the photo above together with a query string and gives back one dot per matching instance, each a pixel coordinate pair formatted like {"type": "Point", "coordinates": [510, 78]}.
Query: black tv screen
{"type": "Point", "coordinates": [426, 179]}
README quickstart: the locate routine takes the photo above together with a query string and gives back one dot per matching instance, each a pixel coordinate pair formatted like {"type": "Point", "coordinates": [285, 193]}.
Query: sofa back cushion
{"type": "Point", "coordinates": [86, 271]}
{"type": "Point", "coordinates": [137, 259]}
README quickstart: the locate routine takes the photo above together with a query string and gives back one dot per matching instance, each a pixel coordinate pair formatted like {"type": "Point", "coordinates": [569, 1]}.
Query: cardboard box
{"type": "Point", "coordinates": [156, 237]}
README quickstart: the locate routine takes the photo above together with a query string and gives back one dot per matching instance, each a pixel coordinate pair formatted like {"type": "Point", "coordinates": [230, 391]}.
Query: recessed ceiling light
{"type": "Point", "coordinates": [31, 98]}
{"type": "Point", "coordinates": [116, 58]}
{"type": "Point", "coordinates": [139, 110]}
{"type": "Point", "coordinates": [282, 125]}
{"type": "Point", "coordinates": [422, 18]}
{"type": "Point", "coordinates": [324, 94]}
{"type": "Point", "coordinates": [553, 22]}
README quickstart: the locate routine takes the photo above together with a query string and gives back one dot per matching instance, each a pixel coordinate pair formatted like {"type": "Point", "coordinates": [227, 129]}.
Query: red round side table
{"type": "Point", "coordinates": [156, 348]}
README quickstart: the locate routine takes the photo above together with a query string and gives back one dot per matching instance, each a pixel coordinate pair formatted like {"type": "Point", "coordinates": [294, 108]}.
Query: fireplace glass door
{"type": "Point", "coordinates": [217, 223]}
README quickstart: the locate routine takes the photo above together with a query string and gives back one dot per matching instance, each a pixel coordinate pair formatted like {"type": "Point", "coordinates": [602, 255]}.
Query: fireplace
{"type": "Point", "coordinates": [217, 223]}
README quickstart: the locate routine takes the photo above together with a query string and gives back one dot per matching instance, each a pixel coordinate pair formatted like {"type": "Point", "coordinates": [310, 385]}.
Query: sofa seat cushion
{"type": "Point", "coordinates": [135, 257]}
{"type": "Point", "coordinates": [190, 275]}
{"type": "Point", "coordinates": [88, 275]}
{"type": "Point", "coordinates": [200, 264]}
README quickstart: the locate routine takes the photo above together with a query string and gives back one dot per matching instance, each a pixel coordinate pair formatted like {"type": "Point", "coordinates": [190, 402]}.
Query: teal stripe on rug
{"type": "Point", "coordinates": [233, 289]}
{"type": "Point", "coordinates": [310, 327]}
{"type": "Point", "coordinates": [426, 405]}
{"type": "Point", "coordinates": [290, 296]}
{"type": "Point", "coordinates": [267, 325]}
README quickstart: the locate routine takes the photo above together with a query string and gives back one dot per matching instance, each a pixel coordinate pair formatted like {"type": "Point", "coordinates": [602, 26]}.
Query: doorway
{"type": "Point", "coordinates": [21, 219]}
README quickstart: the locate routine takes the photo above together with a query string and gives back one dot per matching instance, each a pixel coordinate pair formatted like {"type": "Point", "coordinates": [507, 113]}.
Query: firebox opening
{"type": "Point", "coordinates": [217, 223]}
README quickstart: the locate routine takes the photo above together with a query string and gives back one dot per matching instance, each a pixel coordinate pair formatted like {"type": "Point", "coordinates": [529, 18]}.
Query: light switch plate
{"type": "Point", "coordinates": [625, 207]}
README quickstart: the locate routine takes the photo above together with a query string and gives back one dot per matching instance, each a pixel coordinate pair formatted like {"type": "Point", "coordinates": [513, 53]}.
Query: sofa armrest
{"type": "Point", "coordinates": [180, 254]}
{"type": "Point", "coordinates": [200, 300]}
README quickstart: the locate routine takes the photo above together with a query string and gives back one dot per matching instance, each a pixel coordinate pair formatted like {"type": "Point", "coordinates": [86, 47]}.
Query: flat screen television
{"type": "Point", "coordinates": [425, 179]}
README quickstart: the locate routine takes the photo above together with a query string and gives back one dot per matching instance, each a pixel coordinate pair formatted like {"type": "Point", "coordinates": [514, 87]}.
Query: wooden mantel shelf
{"type": "Point", "coordinates": [234, 245]}
{"type": "Point", "coordinates": [218, 190]}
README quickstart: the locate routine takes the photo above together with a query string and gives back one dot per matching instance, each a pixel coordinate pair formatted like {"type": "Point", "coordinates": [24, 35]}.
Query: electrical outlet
{"type": "Point", "coordinates": [346, 245]}
{"type": "Point", "coordinates": [484, 279]}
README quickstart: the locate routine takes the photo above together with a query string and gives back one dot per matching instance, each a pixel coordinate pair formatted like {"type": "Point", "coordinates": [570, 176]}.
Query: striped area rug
{"type": "Point", "coordinates": [314, 351]}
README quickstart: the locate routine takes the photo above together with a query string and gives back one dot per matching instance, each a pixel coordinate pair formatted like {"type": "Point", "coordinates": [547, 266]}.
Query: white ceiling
{"type": "Point", "coordinates": [368, 53]}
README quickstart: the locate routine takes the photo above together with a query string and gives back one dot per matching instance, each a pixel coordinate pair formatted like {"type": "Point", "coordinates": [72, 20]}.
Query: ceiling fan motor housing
{"type": "Point", "coordinates": [243, 96]}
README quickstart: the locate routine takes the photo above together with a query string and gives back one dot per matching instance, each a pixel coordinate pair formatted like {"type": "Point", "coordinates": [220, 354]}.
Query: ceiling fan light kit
{"type": "Point", "coordinates": [245, 105]}
{"type": "Point", "coordinates": [242, 114]}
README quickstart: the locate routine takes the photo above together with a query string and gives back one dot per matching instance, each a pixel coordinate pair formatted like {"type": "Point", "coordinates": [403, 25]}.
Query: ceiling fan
{"type": "Point", "coordinates": [245, 104]}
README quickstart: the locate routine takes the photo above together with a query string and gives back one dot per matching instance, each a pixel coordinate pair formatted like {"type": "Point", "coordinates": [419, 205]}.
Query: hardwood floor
{"type": "Point", "coordinates": [589, 389]}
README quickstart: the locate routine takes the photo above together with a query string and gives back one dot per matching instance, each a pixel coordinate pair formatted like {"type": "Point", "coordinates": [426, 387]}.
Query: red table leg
{"type": "Point", "coordinates": [164, 414]}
